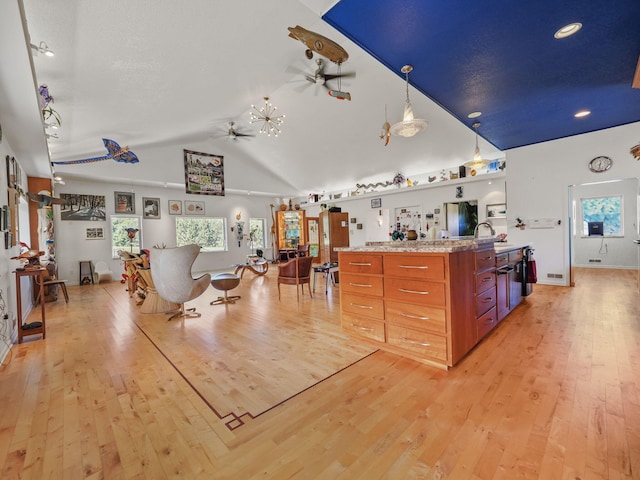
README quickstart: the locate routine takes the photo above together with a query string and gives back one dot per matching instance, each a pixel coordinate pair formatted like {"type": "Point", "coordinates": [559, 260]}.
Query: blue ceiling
{"type": "Point", "coordinates": [499, 57]}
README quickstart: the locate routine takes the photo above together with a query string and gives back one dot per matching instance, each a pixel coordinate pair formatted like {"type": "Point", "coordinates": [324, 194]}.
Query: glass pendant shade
{"type": "Point", "coordinates": [409, 125]}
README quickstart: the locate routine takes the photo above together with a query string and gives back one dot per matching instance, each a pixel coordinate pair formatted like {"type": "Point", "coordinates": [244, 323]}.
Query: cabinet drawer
{"type": "Point", "coordinates": [485, 301]}
{"type": "Point", "coordinates": [515, 256]}
{"type": "Point", "coordinates": [485, 280]}
{"type": "Point", "coordinates": [486, 323]}
{"type": "Point", "coordinates": [416, 316]}
{"type": "Point", "coordinates": [371, 307]}
{"type": "Point", "coordinates": [415, 291]}
{"type": "Point", "coordinates": [352, 263]}
{"type": "Point", "coordinates": [502, 260]}
{"type": "Point", "coordinates": [415, 266]}
{"type": "Point", "coordinates": [363, 327]}
{"type": "Point", "coordinates": [361, 284]}
{"type": "Point", "coordinates": [485, 259]}
{"type": "Point", "coordinates": [424, 343]}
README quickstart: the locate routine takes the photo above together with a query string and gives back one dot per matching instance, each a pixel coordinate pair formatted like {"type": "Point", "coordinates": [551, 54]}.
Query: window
{"type": "Point", "coordinates": [209, 233]}
{"type": "Point", "coordinates": [120, 239]}
{"type": "Point", "coordinates": [256, 233]}
{"type": "Point", "coordinates": [603, 209]}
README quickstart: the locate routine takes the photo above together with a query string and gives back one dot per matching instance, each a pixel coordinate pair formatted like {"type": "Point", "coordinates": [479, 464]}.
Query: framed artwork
{"type": "Point", "coordinates": [11, 176]}
{"type": "Point", "coordinates": [125, 202]}
{"type": "Point", "coordinates": [94, 233]}
{"type": "Point", "coordinates": [376, 202]}
{"type": "Point", "coordinates": [203, 173]}
{"type": "Point", "coordinates": [150, 208]}
{"type": "Point", "coordinates": [497, 210]}
{"type": "Point", "coordinates": [193, 208]}
{"type": "Point", "coordinates": [84, 207]}
{"type": "Point", "coordinates": [175, 207]}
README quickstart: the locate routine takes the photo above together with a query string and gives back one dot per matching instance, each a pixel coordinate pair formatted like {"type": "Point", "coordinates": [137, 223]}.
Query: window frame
{"type": "Point", "coordinates": [199, 219]}
{"type": "Point", "coordinates": [584, 232]}
{"type": "Point", "coordinates": [111, 239]}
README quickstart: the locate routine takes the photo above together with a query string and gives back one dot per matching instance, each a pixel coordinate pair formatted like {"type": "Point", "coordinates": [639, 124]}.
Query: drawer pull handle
{"type": "Point", "coordinates": [414, 266]}
{"type": "Point", "coordinates": [488, 258]}
{"type": "Point", "coordinates": [413, 342]}
{"type": "Point", "coordinates": [486, 279]}
{"type": "Point", "coordinates": [487, 300]}
{"type": "Point", "coordinates": [358, 327]}
{"type": "Point", "coordinates": [404, 290]}
{"type": "Point", "coordinates": [361, 306]}
{"type": "Point", "coordinates": [488, 323]}
{"type": "Point", "coordinates": [359, 264]}
{"type": "Point", "coordinates": [359, 284]}
{"type": "Point", "coordinates": [413, 316]}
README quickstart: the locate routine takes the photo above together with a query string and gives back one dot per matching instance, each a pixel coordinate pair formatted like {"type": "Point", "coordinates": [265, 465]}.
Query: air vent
{"type": "Point", "coordinates": [554, 275]}
{"type": "Point", "coordinates": [595, 260]}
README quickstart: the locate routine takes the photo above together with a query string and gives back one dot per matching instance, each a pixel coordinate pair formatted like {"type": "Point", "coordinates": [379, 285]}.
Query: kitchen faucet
{"type": "Point", "coordinates": [475, 230]}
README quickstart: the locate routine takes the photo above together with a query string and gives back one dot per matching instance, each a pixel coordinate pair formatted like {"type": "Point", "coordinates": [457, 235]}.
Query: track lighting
{"type": "Point", "coordinates": [42, 48]}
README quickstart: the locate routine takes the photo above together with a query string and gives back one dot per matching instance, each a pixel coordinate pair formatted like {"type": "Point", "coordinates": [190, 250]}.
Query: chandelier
{"type": "Point", "coordinates": [409, 125]}
{"type": "Point", "coordinates": [267, 115]}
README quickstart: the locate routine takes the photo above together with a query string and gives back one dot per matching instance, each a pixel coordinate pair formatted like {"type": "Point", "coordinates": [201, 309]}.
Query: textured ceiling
{"type": "Point", "coordinates": [160, 76]}
{"type": "Point", "coordinates": [500, 57]}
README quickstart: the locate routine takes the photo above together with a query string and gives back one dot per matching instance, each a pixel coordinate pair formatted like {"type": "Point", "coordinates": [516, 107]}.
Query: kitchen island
{"type": "Point", "coordinates": [429, 300]}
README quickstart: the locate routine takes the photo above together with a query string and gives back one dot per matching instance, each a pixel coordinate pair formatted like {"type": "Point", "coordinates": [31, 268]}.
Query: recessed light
{"type": "Point", "coordinates": [582, 113]}
{"type": "Point", "coordinates": [474, 114]}
{"type": "Point", "coordinates": [568, 30]}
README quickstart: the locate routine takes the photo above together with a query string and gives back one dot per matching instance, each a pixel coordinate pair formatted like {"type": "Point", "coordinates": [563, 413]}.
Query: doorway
{"type": "Point", "coordinates": [615, 203]}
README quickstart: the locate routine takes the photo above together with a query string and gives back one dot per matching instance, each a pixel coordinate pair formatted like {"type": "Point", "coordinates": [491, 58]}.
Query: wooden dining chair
{"type": "Point", "coordinates": [296, 272]}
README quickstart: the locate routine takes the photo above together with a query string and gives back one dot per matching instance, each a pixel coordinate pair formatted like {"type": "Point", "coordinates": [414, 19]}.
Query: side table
{"type": "Point", "coordinates": [30, 272]}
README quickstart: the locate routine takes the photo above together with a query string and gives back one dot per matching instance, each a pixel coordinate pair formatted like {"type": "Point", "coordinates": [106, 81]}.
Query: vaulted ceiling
{"type": "Point", "coordinates": [160, 76]}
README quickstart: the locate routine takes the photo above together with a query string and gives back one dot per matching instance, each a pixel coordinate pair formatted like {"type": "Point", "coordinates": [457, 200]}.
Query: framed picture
{"type": "Point", "coordinates": [125, 202]}
{"type": "Point", "coordinates": [94, 233]}
{"type": "Point", "coordinates": [80, 206]}
{"type": "Point", "coordinates": [193, 208]}
{"type": "Point", "coordinates": [150, 208]}
{"type": "Point", "coordinates": [11, 176]}
{"type": "Point", "coordinates": [497, 210]}
{"type": "Point", "coordinates": [175, 207]}
{"type": "Point", "coordinates": [203, 173]}
{"type": "Point", "coordinates": [376, 202]}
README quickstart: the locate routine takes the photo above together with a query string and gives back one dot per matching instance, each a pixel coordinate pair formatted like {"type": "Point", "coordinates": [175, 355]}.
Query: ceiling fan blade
{"type": "Point", "coordinates": [636, 77]}
{"type": "Point", "coordinates": [310, 79]}
{"type": "Point", "coordinates": [331, 76]}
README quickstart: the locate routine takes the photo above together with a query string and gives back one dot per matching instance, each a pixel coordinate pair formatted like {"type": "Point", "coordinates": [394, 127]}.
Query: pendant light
{"type": "Point", "coordinates": [409, 125]}
{"type": "Point", "coordinates": [477, 161]}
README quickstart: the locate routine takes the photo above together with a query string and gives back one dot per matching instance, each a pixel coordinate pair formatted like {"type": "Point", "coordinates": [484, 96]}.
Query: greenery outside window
{"type": "Point", "coordinates": [208, 233]}
{"type": "Point", "coordinates": [603, 209]}
{"type": "Point", "coordinates": [120, 236]}
{"type": "Point", "coordinates": [256, 233]}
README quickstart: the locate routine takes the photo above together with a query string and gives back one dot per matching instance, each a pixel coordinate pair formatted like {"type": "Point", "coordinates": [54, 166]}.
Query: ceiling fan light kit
{"type": "Point", "coordinates": [409, 125]}
{"type": "Point", "coordinates": [267, 115]}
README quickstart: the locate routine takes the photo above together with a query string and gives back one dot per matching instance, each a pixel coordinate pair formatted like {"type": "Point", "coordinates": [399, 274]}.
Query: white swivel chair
{"type": "Point", "coordinates": [171, 274]}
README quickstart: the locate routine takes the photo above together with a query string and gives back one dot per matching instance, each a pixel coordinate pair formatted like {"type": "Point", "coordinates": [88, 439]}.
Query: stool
{"type": "Point", "coordinates": [225, 282]}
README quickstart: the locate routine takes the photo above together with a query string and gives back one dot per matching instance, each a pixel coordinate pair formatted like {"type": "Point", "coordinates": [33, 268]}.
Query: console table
{"type": "Point", "coordinates": [30, 272]}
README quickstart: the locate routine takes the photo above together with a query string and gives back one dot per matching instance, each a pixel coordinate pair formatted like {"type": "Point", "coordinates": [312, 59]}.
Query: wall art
{"type": "Point", "coordinates": [175, 207]}
{"type": "Point", "coordinates": [150, 208]}
{"type": "Point", "coordinates": [193, 208]}
{"type": "Point", "coordinates": [203, 173]}
{"type": "Point", "coordinates": [81, 206]}
{"type": "Point", "coordinates": [125, 202]}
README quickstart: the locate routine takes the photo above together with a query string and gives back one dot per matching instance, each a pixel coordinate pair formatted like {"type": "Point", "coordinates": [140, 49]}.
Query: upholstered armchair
{"type": "Point", "coordinates": [296, 272]}
{"type": "Point", "coordinates": [171, 274]}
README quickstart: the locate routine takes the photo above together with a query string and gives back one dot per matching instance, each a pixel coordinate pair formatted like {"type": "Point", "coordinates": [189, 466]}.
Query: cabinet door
{"type": "Point", "coordinates": [502, 293]}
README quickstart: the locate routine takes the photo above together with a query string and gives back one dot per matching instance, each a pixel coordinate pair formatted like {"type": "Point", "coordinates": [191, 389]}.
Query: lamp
{"type": "Point", "coordinates": [42, 48]}
{"type": "Point", "coordinates": [477, 161]}
{"type": "Point", "coordinates": [409, 125]}
{"type": "Point", "coordinates": [266, 115]}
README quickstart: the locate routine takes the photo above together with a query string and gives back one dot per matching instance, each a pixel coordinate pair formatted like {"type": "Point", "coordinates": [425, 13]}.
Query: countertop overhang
{"type": "Point", "coordinates": [436, 246]}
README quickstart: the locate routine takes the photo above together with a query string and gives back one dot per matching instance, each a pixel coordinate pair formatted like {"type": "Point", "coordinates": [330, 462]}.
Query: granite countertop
{"type": "Point", "coordinates": [441, 245]}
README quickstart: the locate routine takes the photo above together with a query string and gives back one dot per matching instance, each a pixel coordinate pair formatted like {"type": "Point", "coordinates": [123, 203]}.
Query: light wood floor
{"type": "Point", "coordinates": [552, 393]}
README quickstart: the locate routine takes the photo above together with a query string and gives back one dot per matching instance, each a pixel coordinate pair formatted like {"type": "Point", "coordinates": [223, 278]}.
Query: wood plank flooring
{"type": "Point", "coordinates": [552, 393]}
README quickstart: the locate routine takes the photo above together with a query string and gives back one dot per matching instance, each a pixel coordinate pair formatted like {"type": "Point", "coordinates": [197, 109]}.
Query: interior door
{"type": "Point", "coordinates": [313, 236]}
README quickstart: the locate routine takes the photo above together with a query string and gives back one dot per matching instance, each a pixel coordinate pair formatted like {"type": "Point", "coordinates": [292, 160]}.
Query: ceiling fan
{"type": "Point", "coordinates": [234, 134]}
{"type": "Point", "coordinates": [319, 77]}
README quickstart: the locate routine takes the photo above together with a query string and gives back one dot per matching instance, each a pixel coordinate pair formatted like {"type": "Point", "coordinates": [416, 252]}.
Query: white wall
{"type": "Point", "coordinates": [613, 252]}
{"type": "Point", "coordinates": [538, 180]}
{"type": "Point", "coordinates": [487, 189]}
{"type": "Point", "coordinates": [72, 247]}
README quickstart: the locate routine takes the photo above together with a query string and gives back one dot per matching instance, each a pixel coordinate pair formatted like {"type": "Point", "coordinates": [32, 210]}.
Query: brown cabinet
{"type": "Point", "coordinates": [485, 291]}
{"type": "Point", "coordinates": [334, 232]}
{"type": "Point", "coordinates": [423, 316]}
{"type": "Point", "coordinates": [290, 228]}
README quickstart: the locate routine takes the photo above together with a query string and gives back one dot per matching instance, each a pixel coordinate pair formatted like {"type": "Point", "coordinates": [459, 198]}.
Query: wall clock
{"type": "Point", "coordinates": [600, 164]}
